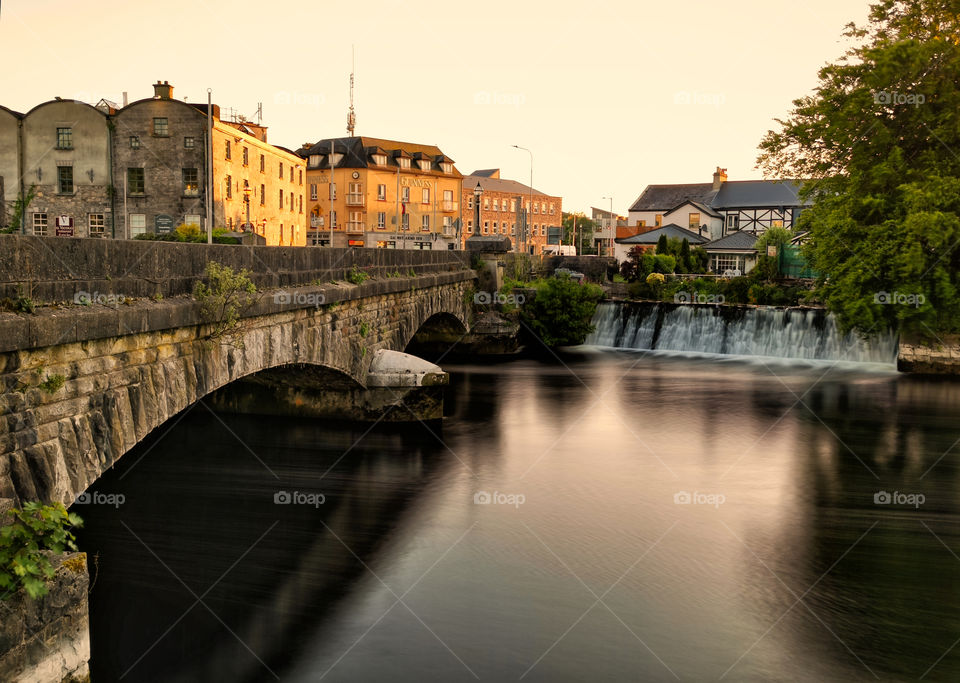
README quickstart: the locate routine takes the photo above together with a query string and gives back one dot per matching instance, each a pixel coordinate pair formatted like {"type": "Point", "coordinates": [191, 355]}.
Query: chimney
{"type": "Point", "coordinates": [719, 177]}
{"type": "Point", "coordinates": [124, 98]}
{"type": "Point", "coordinates": [162, 91]}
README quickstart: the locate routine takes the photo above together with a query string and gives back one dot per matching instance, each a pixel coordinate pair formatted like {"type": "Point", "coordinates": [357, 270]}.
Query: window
{"type": "Point", "coordinates": [659, 219]}
{"type": "Point", "coordinates": [405, 195]}
{"type": "Point", "coordinates": [776, 223]}
{"type": "Point", "coordinates": [486, 227]}
{"type": "Point", "coordinates": [333, 190]}
{"type": "Point", "coordinates": [40, 224]}
{"type": "Point", "coordinates": [469, 226]}
{"type": "Point", "coordinates": [291, 174]}
{"type": "Point", "coordinates": [551, 208]}
{"type": "Point", "coordinates": [380, 159]}
{"type": "Point", "coordinates": [447, 167]}
{"type": "Point", "coordinates": [641, 224]}
{"type": "Point", "coordinates": [448, 225]}
{"type": "Point", "coordinates": [513, 228]}
{"type": "Point", "coordinates": [381, 220]}
{"type": "Point", "coordinates": [96, 225]}
{"type": "Point", "coordinates": [134, 142]}
{"type": "Point", "coordinates": [160, 126]}
{"type": "Point", "coordinates": [263, 164]}
{"type": "Point", "coordinates": [425, 223]}
{"type": "Point", "coordinates": [405, 221]}
{"type": "Point", "coordinates": [281, 198]}
{"type": "Point", "coordinates": [281, 171]}
{"type": "Point", "coordinates": [403, 162]}
{"type": "Point", "coordinates": [333, 219]}
{"type": "Point", "coordinates": [382, 193]}
{"type": "Point", "coordinates": [693, 220]}
{"type": "Point", "coordinates": [246, 156]}
{"type": "Point", "coordinates": [300, 172]}
{"type": "Point", "coordinates": [189, 143]}
{"type": "Point", "coordinates": [470, 202]}
{"type": "Point", "coordinates": [229, 187]}
{"type": "Point", "coordinates": [191, 219]}
{"type": "Point", "coordinates": [191, 182]}
{"type": "Point", "coordinates": [496, 205]}
{"type": "Point", "coordinates": [721, 263]}
{"type": "Point", "coordinates": [536, 208]}
{"type": "Point", "coordinates": [226, 149]}
{"type": "Point", "coordinates": [426, 196]}
{"type": "Point", "coordinates": [486, 203]}
{"type": "Point", "coordinates": [263, 194]}
{"type": "Point", "coordinates": [733, 221]}
{"type": "Point", "coordinates": [425, 164]}
{"type": "Point", "coordinates": [543, 207]}
{"type": "Point", "coordinates": [513, 206]}
{"type": "Point", "coordinates": [495, 226]}
{"type": "Point", "coordinates": [64, 138]}
{"type": "Point", "coordinates": [313, 192]}
{"type": "Point", "coordinates": [65, 179]}
{"type": "Point", "coordinates": [300, 204]}
{"type": "Point", "coordinates": [135, 181]}
{"type": "Point", "coordinates": [138, 224]}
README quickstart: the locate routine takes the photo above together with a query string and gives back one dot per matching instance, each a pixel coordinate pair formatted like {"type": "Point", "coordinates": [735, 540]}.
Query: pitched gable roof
{"type": "Point", "coordinates": [499, 185]}
{"type": "Point", "coordinates": [757, 193]}
{"type": "Point", "coordinates": [671, 230]}
{"type": "Point", "coordinates": [741, 240]}
{"type": "Point", "coordinates": [663, 197]}
{"type": "Point", "coordinates": [698, 205]}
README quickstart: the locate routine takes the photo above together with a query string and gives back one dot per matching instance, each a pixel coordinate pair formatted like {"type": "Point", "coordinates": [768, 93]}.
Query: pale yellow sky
{"type": "Point", "coordinates": [609, 95]}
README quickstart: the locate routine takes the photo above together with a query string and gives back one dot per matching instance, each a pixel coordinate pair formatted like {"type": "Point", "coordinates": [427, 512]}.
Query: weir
{"type": "Point", "coordinates": [792, 333]}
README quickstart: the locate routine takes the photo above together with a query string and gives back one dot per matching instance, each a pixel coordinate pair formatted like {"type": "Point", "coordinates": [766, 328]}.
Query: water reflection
{"type": "Point", "coordinates": [780, 568]}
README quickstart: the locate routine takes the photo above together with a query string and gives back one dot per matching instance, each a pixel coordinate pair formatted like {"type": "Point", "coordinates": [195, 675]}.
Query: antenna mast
{"type": "Point", "coordinates": [351, 116]}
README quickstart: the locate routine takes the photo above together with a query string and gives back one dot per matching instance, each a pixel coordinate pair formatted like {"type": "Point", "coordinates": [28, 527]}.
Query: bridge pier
{"type": "Point", "coordinates": [399, 388]}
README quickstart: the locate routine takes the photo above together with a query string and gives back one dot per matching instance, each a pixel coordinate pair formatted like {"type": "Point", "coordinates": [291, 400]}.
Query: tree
{"type": "Point", "coordinates": [877, 146]}
{"type": "Point", "coordinates": [585, 227]}
{"type": "Point", "coordinates": [225, 301]}
{"type": "Point", "coordinates": [683, 260]}
{"type": "Point", "coordinates": [663, 245]}
{"type": "Point", "coordinates": [560, 313]}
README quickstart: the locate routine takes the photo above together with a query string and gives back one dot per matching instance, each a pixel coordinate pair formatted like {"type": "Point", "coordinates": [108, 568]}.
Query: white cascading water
{"type": "Point", "coordinates": [806, 334]}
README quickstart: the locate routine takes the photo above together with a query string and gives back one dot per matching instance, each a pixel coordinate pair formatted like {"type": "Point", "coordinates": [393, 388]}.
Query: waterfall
{"type": "Point", "coordinates": [792, 333]}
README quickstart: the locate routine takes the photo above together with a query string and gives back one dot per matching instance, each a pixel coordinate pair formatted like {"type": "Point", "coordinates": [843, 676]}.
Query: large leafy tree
{"type": "Point", "coordinates": [878, 143]}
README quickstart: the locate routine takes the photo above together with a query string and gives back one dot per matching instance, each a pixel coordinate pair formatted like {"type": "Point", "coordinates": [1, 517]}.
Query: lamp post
{"type": "Point", "coordinates": [613, 227]}
{"type": "Point", "coordinates": [526, 221]}
{"type": "Point", "coordinates": [477, 193]}
{"type": "Point", "coordinates": [246, 200]}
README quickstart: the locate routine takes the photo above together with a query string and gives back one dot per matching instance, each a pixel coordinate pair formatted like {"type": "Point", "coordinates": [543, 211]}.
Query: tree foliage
{"type": "Point", "coordinates": [585, 229]}
{"type": "Point", "coordinates": [224, 300]}
{"type": "Point", "coordinates": [560, 313]}
{"type": "Point", "coordinates": [35, 529]}
{"type": "Point", "coordinates": [878, 145]}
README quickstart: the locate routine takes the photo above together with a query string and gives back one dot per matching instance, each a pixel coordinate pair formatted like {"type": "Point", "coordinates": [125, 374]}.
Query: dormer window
{"type": "Point", "coordinates": [425, 164]}
{"type": "Point", "coordinates": [336, 158]}
{"type": "Point", "coordinates": [380, 159]}
{"type": "Point", "coordinates": [314, 160]}
{"type": "Point", "coordinates": [447, 167]}
{"type": "Point", "coordinates": [403, 162]}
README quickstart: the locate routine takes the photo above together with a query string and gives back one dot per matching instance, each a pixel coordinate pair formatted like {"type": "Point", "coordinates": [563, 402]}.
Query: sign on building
{"type": "Point", "coordinates": [163, 223]}
{"type": "Point", "coordinates": [64, 226]}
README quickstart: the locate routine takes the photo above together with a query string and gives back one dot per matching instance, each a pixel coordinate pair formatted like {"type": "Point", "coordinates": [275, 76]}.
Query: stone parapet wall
{"type": "Point", "coordinates": [51, 269]}
{"type": "Point", "coordinates": [938, 358]}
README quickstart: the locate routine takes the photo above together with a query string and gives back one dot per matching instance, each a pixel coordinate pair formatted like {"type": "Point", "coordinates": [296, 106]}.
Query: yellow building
{"type": "Point", "coordinates": [382, 193]}
{"type": "Point", "coordinates": [251, 174]}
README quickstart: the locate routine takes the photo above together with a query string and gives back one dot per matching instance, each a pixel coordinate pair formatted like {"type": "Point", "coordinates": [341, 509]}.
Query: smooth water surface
{"type": "Point", "coordinates": [652, 519]}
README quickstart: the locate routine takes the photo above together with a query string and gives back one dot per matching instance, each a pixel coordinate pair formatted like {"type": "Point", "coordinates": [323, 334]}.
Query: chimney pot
{"type": "Point", "coordinates": [719, 177]}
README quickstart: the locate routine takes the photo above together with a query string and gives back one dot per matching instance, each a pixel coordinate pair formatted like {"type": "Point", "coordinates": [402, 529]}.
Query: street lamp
{"type": "Point", "coordinates": [477, 193]}
{"type": "Point", "coordinates": [613, 227]}
{"type": "Point", "coordinates": [526, 225]}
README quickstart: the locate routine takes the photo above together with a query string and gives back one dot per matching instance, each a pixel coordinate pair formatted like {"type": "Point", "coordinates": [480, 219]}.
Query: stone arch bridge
{"type": "Point", "coordinates": [116, 345]}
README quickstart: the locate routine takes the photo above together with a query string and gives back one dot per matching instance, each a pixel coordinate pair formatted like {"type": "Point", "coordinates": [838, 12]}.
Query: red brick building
{"type": "Point", "coordinates": [502, 207]}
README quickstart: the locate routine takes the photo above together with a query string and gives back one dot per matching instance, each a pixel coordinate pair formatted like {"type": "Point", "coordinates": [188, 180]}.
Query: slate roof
{"type": "Point", "coordinates": [741, 240]}
{"type": "Point", "coordinates": [703, 208]}
{"type": "Point", "coordinates": [499, 185]}
{"type": "Point", "coordinates": [485, 172]}
{"type": "Point", "coordinates": [661, 198]}
{"type": "Point", "coordinates": [757, 193]}
{"type": "Point", "coordinates": [671, 230]}
{"type": "Point", "coordinates": [357, 152]}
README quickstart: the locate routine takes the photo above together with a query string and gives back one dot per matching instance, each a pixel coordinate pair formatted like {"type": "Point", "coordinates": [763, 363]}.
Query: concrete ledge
{"type": "Point", "coordinates": [396, 369]}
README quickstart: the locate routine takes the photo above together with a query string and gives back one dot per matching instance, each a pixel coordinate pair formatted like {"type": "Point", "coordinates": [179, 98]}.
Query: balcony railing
{"type": "Point", "coordinates": [448, 205]}
{"type": "Point", "coordinates": [355, 199]}
{"type": "Point", "coordinates": [355, 227]}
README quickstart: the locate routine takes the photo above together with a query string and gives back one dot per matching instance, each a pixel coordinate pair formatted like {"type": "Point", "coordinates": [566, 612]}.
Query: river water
{"type": "Point", "coordinates": [651, 518]}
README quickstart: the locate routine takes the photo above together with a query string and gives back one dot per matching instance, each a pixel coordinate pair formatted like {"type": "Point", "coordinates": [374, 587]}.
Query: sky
{"type": "Point", "coordinates": [609, 96]}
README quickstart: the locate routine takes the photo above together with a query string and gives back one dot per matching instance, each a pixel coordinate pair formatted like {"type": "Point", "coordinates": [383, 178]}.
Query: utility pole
{"type": "Point", "coordinates": [209, 172]}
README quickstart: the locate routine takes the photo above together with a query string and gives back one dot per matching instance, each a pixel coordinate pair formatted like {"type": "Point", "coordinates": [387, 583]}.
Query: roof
{"type": "Point", "coordinates": [486, 172]}
{"type": "Point", "coordinates": [357, 151]}
{"type": "Point", "coordinates": [750, 193]}
{"type": "Point", "coordinates": [741, 240]}
{"type": "Point", "coordinates": [699, 205]}
{"type": "Point", "coordinates": [499, 185]}
{"type": "Point", "coordinates": [664, 197]}
{"type": "Point", "coordinates": [671, 230]}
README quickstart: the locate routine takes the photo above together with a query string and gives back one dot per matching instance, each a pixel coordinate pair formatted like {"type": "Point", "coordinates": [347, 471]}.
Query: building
{"type": "Point", "coordinates": [732, 254]}
{"type": "Point", "coordinates": [373, 192]}
{"type": "Point", "coordinates": [503, 207]}
{"type": "Point", "coordinates": [608, 223]}
{"type": "Point", "coordinates": [720, 207]}
{"type": "Point", "coordinates": [143, 168]}
{"type": "Point", "coordinates": [58, 154]}
{"type": "Point", "coordinates": [647, 240]}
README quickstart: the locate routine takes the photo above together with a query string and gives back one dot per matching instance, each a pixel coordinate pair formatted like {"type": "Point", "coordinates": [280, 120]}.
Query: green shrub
{"type": "Point", "coordinates": [357, 276]}
{"type": "Point", "coordinates": [561, 311]}
{"type": "Point", "coordinates": [35, 528]}
{"type": "Point", "coordinates": [224, 301]}
{"type": "Point", "coordinates": [52, 383]}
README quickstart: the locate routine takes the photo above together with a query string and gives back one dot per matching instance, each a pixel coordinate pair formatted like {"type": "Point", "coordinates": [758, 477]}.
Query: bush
{"type": "Point", "coordinates": [561, 311]}
{"type": "Point", "coordinates": [35, 529]}
{"type": "Point", "coordinates": [224, 300]}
